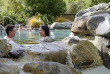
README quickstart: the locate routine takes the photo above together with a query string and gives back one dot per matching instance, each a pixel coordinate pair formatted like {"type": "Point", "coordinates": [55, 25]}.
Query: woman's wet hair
{"type": "Point", "coordinates": [46, 29]}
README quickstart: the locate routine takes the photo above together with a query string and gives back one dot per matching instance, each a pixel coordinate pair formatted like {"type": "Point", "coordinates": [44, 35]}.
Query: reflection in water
{"type": "Point", "coordinates": [31, 34]}
{"type": "Point", "coordinates": [19, 32]}
{"type": "Point", "coordinates": [52, 35]}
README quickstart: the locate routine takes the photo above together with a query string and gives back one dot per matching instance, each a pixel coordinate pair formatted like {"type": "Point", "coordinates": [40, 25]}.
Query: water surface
{"type": "Point", "coordinates": [31, 36]}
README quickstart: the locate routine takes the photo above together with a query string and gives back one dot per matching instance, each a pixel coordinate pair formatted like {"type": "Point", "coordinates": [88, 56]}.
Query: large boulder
{"type": "Point", "coordinates": [9, 69]}
{"type": "Point", "coordinates": [93, 21]}
{"type": "Point", "coordinates": [64, 25]}
{"type": "Point", "coordinates": [79, 26]}
{"type": "Point", "coordinates": [99, 25]}
{"type": "Point", "coordinates": [48, 68]}
{"type": "Point", "coordinates": [102, 8]}
{"type": "Point", "coordinates": [55, 51]}
{"type": "Point", "coordinates": [94, 24]}
{"type": "Point", "coordinates": [85, 54]}
{"type": "Point", "coordinates": [103, 46]}
{"type": "Point", "coordinates": [9, 50]}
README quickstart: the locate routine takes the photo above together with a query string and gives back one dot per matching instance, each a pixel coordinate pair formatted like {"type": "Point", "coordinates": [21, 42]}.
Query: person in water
{"type": "Point", "coordinates": [20, 27]}
{"type": "Point", "coordinates": [31, 29]}
{"type": "Point", "coordinates": [10, 33]}
{"type": "Point", "coordinates": [44, 32]}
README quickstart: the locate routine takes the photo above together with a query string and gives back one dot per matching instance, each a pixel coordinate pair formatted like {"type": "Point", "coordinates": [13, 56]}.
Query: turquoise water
{"type": "Point", "coordinates": [34, 35]}
{"type": "Point", "coordinates": [2, 33]}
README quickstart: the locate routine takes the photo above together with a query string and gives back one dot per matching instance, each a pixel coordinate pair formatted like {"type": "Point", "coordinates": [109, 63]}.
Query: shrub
{"type": "Point", "coordinates": [61, 19]}
{"type": "Point", "coordinates": [35, 22]}
{"type": "Point", "coordinates": [74, 6]}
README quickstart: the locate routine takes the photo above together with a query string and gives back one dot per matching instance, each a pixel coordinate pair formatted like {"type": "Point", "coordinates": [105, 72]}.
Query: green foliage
{"type": "Point", "coordinates": [95, 2]}
{"type": "Point", "coordinates": [13, 9]}
{"type": "Point", "coordinates": [73, 6]}
{"type": "Point", "coordinates": [48, 9]}
{"type": "Point", "coordinates": [47, 19]}
{"type": "Point", "coordinates": [20, 10]}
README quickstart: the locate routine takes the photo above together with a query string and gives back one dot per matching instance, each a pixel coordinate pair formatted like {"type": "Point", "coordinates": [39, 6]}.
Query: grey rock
{"type": "Point", "coordinates": [64, 25]}
{"type": "Point", "coordinates": [48, 68]}
{"type": "Point", "coordinates": [16, 53]}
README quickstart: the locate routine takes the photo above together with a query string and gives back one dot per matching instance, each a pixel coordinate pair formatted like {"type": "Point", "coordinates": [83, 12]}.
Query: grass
{"type": "Point", "coordinates": [61, 19]}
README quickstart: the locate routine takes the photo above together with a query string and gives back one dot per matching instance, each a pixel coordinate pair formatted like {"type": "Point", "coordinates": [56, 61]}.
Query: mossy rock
{"type": "Point", "coordinates": [48, 68]}
{"type": "Point", "coordinates": [85, 54]}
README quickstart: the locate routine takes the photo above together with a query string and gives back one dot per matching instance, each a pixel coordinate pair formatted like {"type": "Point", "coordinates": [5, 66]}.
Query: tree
{"type": "Point", "coordinates": [48, 9]}
{"type": "Point", "coordinates": [95, 2]}
{"type": "Point", "coordinates": [73, 6]}
{"type": "Point", "coordinates": [22, 9]}
{"type": "Point", "coordinates": [13, 9]}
